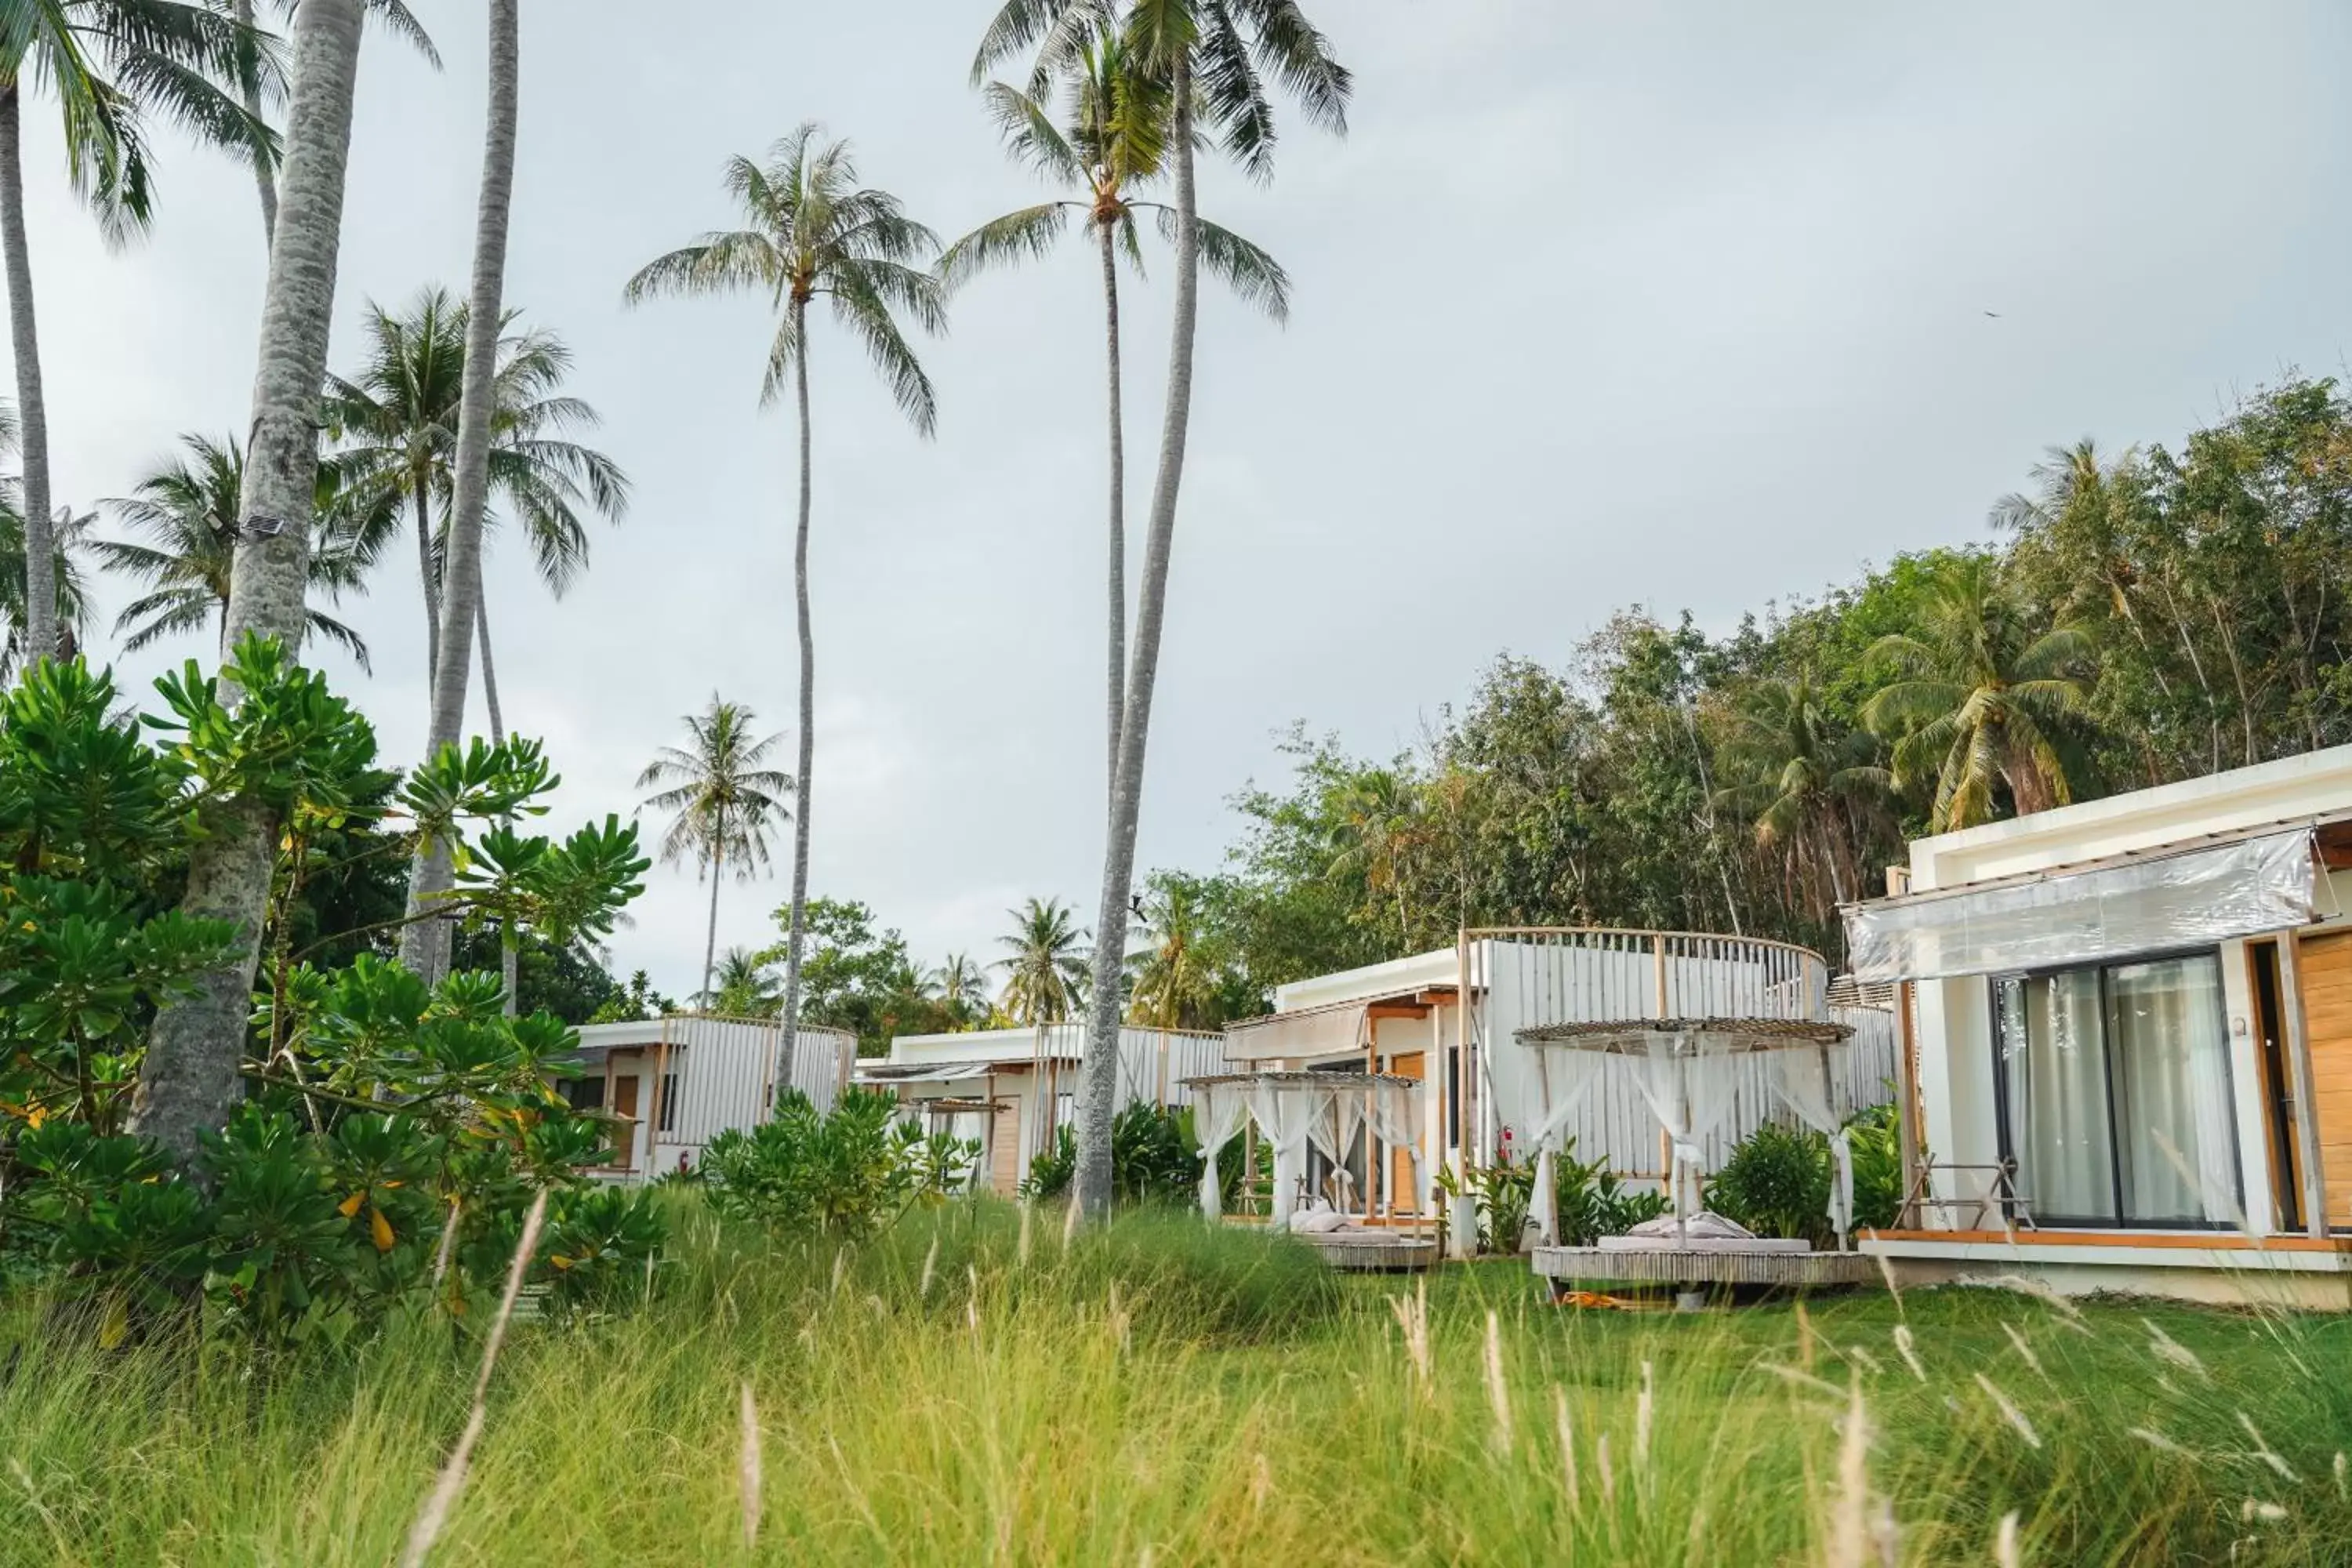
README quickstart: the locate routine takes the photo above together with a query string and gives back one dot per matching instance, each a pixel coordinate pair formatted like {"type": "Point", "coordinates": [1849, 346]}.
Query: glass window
{"type": "Point", "coordinates": [2052, 1062]}
{"type": "Point", "coordinates": [2115, 1093]}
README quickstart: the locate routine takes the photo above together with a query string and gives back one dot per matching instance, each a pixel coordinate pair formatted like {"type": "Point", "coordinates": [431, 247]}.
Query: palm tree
{"type": "Point", "coordinates": [746, 985]}
{"type": "Point", "coordinates": [1978, 697]}
{"type": "Point", "coordinates": [69, 543]}
{"type": "Point", "coordinates": [813, 232]}
{"type": "Point", "coordinates": [960, 987]}
{"type": "Point", "coordinates": [107, 62]}
{"type": "Point", "coordinates": [260, 86]}
{"type": "Point", "coordinates": [1176, 976]}
{"type": "Point", "coordinates": [1379, 826]}
{"type": "Point", "coordinates": [723, 804]}
{"type": "Point", "coordinates": [187, 510]}
{"type": "Point", "coordinates": [396, 420]}
{"type": "Point", "coordinates": [1215, 56]}
{"type": "Point", "coordinates": [1802, 779]}
{"type": "Point", "coordinates": [189, 1077]}
{"type": "Point", "coordinates": [1045, 972]}
{"type": "Point", "coordinates": [425, 943]}
{"type": "Point", "coordinates": [1115, 140]}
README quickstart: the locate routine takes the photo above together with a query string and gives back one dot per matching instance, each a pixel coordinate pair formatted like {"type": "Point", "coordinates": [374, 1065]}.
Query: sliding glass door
{"type": "Point", "coordinates": [2115, 1093]}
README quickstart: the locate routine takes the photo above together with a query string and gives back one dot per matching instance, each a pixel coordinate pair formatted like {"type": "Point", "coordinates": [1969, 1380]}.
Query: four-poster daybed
{"type": "Point", "coordinates": [1684, 1076]}
{"type": "Point", "coordinates": [1329, 1113]}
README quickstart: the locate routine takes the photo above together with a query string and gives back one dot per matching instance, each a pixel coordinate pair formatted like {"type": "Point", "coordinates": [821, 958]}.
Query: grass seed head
{"type": "Point", "coordinates": [2005, 1550]}
{"type": "Point", "coordinates": [1498, 1393]}
{"type": "Point", "coordinates": [2010, 1412]}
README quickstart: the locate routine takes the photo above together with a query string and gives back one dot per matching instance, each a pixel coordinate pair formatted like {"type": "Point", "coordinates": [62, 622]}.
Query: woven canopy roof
{"type": "Point", "coordinates": [1306, 1080]}
{"type": "Point", "coordinates": [1744, 1034]}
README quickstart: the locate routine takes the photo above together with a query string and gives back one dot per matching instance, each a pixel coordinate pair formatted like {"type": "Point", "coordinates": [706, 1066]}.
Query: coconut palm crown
{"type": "Point", "coordinates": [1980, 697]}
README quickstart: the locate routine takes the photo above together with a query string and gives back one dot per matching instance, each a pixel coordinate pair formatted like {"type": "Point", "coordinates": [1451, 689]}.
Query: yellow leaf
{"type": "Point", "coordinates": [351, 1205]}
{"type": "Point", "coordinates": [116, 1326]}
{"type": "Point", "coordinates": [380, 1228]}
{"type": "Point", "coordinates": [558, 1261]}
{"type": "Point", "coordinates": [38, 1115]}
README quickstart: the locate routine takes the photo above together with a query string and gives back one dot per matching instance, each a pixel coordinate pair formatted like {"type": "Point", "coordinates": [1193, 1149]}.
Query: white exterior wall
{"type": "Point", "coordinates": [1956, 1046]}
{"type": "Point", "coordinates": [726, 1075]}
{"type": "Point", "coordinates": [1522, 984]}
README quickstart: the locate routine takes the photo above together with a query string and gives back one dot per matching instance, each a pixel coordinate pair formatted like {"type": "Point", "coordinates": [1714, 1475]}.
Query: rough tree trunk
{"type": "Point", "coordinates": [421, 481]}
{"type": "Point", "coordinates": [190, 1078]}
{"type": "Point", "coordinates": [798, 925]}
{"type": "Point", "coordinates": [265, 181]}
{"type": "Point", "coordinates": [710, 932]}
{"type": "Point", "coordinates": [1098, 1082]}
{"type": "Point", "coordinates": [424, 943]}
{"type": "Point", "coordinates": [1115, 707]}
{"type": "Point", "coordinates": [489, 669]}
{"type": "Point", "coordinates": [510, 939]}
{"type": "Point", "coordinates": [40, 628]}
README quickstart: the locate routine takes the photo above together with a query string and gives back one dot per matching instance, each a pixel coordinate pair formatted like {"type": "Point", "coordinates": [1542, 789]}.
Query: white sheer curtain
{"type": "Point", "coordinates": [1287, 1113]}
{"type": "Point", "coordinates": [1688, 1086]}
{"type": "Point", "coordinates": [1564, 1076]}
{"type": "Point", "coordinates": [1396, 1122]}
{"type": "Point", "coordinates": [1802, 1077]}
{"type": "Point", "coordinates": [1218, 1111]}
{"type": "Point", "coordinates": [2177, 1145]}
{"type": "Point", "coordinates": [2053, 1060]}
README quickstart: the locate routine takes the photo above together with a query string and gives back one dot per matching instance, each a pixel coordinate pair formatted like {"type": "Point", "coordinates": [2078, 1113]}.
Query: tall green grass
{"type": "Point", "coordinates": [1158, 1392]}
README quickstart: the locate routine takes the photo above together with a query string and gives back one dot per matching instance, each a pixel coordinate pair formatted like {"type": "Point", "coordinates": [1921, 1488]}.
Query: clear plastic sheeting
{"type": "Point", "coordinates": [2186, 900]}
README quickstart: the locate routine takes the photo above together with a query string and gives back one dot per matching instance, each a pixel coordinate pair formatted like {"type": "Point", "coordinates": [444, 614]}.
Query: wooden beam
{"type": "Point", "coordinates": [2215, 1241]}
{"type": "Point", "coordinates": [2306, 1103]}
{"type": "Point", "coordinates": [1397, 1010]}
{"type": "Point", "coordinates": [1906, 1104]}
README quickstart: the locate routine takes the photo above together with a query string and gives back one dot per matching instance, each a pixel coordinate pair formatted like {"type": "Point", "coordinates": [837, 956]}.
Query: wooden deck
{"type": "Point", "coordinates": [1693, 1267]}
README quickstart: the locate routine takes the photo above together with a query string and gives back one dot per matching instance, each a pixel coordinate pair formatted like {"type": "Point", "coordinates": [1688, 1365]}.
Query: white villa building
{"type": "Point", "coordinates": [2133, 1037]}
{"type": "Point", "coordinates": [1013, 1089]}
{"type": "Point", "coordinates": [1475, 1089]}
{"type": "Point", "coordinates": [712, 1073]}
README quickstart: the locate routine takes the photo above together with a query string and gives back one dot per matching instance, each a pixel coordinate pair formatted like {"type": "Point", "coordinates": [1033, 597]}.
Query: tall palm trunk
{"type": "Point", "coordinates": [40, 628]}
{"type": "Point", "coordinates": [710, 932]}
{"type": "Point", "coordinates": [421, 483]}
{"type": "Point", "coordinates": [1099, 1080]}
{"type": "Point", "coordinates": [1116, 705]}
{"type": "Point", "coordinates": [264, 180]}
{"type": "Point", "coordinates": [189, 1079]}
{"type": "Point", "coordinates": [489, 669]}
{"type": "Point", "coordinates": [424, 943]}
{"type": "Point", "coordinates": [798, 926]}
{"type": "Point", "coordinates": [510, 939]}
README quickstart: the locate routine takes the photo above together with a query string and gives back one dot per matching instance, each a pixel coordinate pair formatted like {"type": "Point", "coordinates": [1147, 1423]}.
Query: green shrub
{"type": "Point", "coordinates": [1503, 1194]}
{"type": "Point", "coordinates": [1593, 1202]}
{"type": "Point", "coordinates": [1155, 1157]}
{"type": "Point", "coordinates": [847, 1172]}
{"type": "Point", "coordinates": [1051, 1170]}
{"type": "Point", "coordinates": [1777, 1183]}
{"type": "Point", "coordinates": [1877, 1139]}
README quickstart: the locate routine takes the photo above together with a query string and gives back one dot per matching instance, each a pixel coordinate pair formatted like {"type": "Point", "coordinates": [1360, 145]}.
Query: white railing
{"type": "Point", "coordinates": [1520, 978]}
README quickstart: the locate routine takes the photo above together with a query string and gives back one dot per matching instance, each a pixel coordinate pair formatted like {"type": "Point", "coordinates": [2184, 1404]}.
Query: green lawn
{"type": "Point", "coordinates": [1161, 1394]}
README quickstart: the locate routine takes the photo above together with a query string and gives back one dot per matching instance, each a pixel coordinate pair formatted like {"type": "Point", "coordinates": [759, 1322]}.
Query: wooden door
{"type": "Point", "coordinates": [625, 1132]}
{"type": "Point", "coordinates": [1403, 1196]}
{"type": "Point", "coordinates": [2326, 966]}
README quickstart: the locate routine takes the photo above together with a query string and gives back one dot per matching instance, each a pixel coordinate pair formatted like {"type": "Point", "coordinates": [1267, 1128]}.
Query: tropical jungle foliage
{"type": "Point", "coordinates": [391, 1133]}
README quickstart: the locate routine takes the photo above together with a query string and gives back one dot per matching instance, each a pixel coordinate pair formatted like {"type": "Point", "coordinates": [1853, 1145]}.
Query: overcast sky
{"type": "Point", "coordinates": [1597, 305]}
